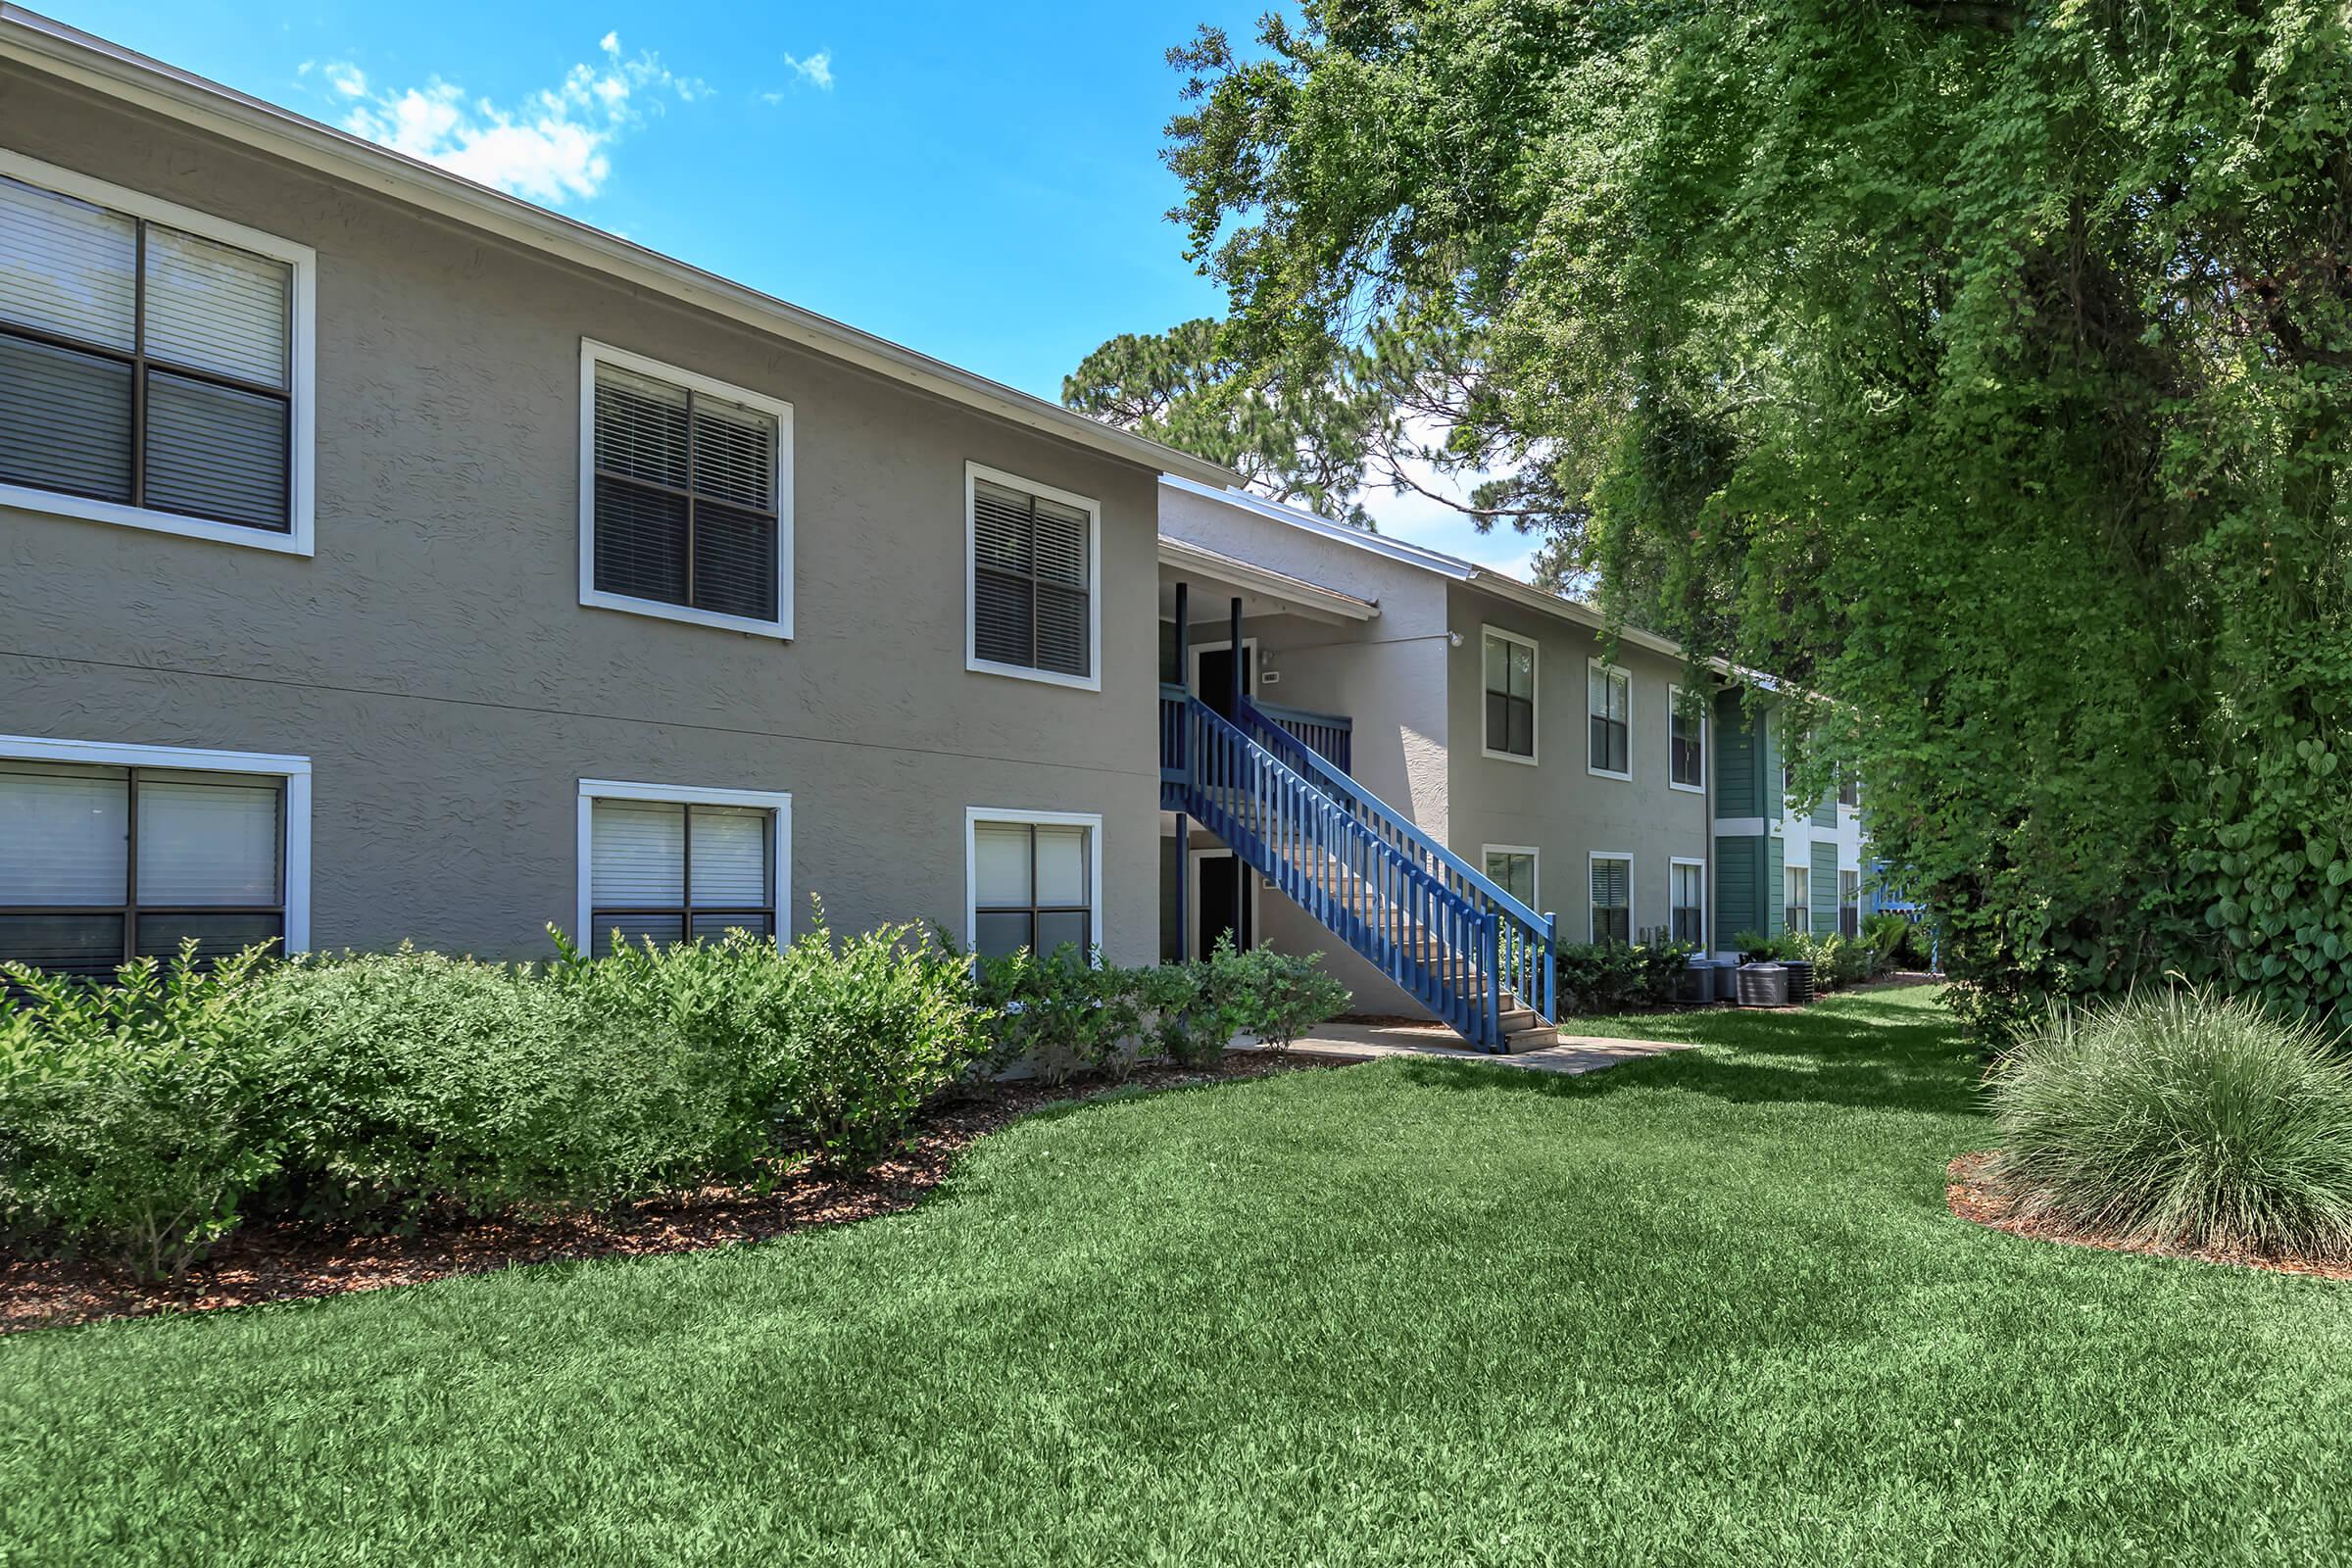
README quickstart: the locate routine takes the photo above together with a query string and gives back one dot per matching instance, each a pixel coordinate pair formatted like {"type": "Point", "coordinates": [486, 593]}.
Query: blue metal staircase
{"type": "Point", "coordinates": [1445, 933]}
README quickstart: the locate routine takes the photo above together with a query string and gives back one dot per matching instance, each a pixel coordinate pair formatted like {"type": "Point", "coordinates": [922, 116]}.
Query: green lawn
{"type": "Point", "coordinates": [1708, 1309]}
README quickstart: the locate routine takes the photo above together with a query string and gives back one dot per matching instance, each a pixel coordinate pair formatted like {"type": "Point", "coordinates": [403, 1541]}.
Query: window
{"type": "Point", "coordinates": [1798, 897]}
{"type": "Point", "coordinates": [1612, 898]}
{"type": "Point", "coordinates": [1687, 742]}
{"type": "Point", "coordinates": [685, 496]}
{"type": "Point", "coordinates": [1610, 702]}
{"type": "Point", "coordinates": [667, 864]}
{"type": "Point", "coordinates": [1849, 787]}
{"type": "Point", "coordinates": [1035, 611]}
{"type": "Point", "coordinates": [110, 853]}
{"type": "Point", "coordinates": [1035, 882]}
{"type": "Point", "coordinates": [154, 363]}
{"type": "Point", "coordinates": [1510, 688]}
{"type": "Point", "coordinates": [1849, 903]}
{"type": "Point", "coordinates": [1512, 867]}
{"type": "Point", "coordinates": [1688, 899]}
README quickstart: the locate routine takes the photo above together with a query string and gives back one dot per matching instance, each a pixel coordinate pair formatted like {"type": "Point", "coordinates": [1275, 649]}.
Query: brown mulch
{"type": "Point", "coordinates": [290, 1261]}
{"type": "Point", "coordinates": [1973, 1196]}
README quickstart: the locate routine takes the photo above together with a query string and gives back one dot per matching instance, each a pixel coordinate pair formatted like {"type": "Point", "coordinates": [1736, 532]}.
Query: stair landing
{"type": "Point", "coordinates": [1571, 1053]}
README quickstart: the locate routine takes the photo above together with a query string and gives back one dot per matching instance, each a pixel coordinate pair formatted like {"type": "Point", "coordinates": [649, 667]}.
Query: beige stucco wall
{"type": "Point", "coordinates": [433, 660]}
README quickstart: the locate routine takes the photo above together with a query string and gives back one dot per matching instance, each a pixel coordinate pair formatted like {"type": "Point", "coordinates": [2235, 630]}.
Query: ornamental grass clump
{"type": "Point", "coordinates": [2182, 1119]}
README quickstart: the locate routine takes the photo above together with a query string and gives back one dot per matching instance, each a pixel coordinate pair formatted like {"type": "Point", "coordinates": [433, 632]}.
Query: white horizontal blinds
{"type": "Point", "coordinates": [1612, 900]}
{"type": "Point", "coordinates": [1510, 696]}
{"type": "Point", "coordinates": [76, 897]}
{"type": "Point", "coordinates": [1032, 580]}
{"type": "Point", "coordinates": [1032, 887]}
{"type": "Point", "coordinates": [143, 365]}
{"type": "Point", "coordinates": [1514, 873]}
{"type": "Point", "coordinates": [685, 496]}
{"type": "Point", "coordinates": [664, 872]}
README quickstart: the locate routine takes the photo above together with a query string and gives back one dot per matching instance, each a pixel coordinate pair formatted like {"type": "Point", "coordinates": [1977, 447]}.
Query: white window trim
{"type": "Point", "coordinates": [1092, 680]}
{"type": "Point", "coordinates": [592, 790]}
{"type": "Point", "coordinates": [1535, 722]}
{"type": "Point", "coordinates": [294, 770]}
{"type": "Point", "coordinates": [1253, 660]}
{"type": "Point", "coordinates": [594, 353]}
{"type": "Point", "coordinates": [1633, 894]}
{"type": "Point", "coordinates": [1533, 854]}
{"type": "Point", "coordinates": [301, 358]}
{"type": "Point", "coordinates": [1200, 905]}
{"type": "Point", "coordinates": [1615, 670]}
{"type": "Point", "coordinates": [1706, 744]}
{"type": "Point", "coordinates": [974, 816]}
{"type": "Point", "coordinates": [1686, 859]}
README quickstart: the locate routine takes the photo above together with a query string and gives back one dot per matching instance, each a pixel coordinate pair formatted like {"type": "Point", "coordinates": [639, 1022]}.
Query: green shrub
{"type": "Point", "coordinates": [1061, 1013]}
{"type": "Point", "coordinates": [1185, 1023]}
{"type": "Point", "coordinates": [135, 1118]}
{"type": "Point", "coordinates": [1272, 996]}
{"type": "Point", "coordinates": [1607, 976]}
{"type": "Point", "coordinates": [2184, 1120]}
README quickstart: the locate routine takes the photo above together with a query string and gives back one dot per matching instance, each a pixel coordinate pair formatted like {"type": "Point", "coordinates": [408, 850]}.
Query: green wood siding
{"type": "Point", "coordinates": [1824, 889]}
{"type": "Point", "coordinates": [1739, 762]}
{"type": "Point", "coordinates": [1825, 811]}
{"type": "Point", "coordinates": [1740, 893]}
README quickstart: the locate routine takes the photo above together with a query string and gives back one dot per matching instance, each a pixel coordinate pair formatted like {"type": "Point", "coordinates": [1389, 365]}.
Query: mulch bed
{"type": "Point", "coordinates": [1976, 1197]}
{"type": "Point", "coordinates": [290, 1261]}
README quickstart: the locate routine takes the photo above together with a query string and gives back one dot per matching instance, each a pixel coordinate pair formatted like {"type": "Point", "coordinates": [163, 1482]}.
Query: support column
{"type": "Point", "coordinates": [1241, 872]}
{"type": "Point", "coordinates": [1183, 823]}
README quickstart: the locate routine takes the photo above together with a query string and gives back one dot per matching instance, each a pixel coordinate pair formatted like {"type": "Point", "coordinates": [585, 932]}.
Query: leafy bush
{"type": "Point", "coordinates": [132, 1118]}
{"type": "Point", "coordinates": [1061, 1012]}
{"type": "Point", "coordinates": [2181, 1118]}
{"type": "Point", "coordinates": [1184, 1019]}
{"type": "Point", "coordinates": [1608, 977]}
{"type": "Point", "coordinates": [1273, 996]}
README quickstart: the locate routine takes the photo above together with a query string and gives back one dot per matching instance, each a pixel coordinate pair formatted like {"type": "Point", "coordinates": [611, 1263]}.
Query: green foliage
{"type": "Point", "coordinates": [1061, 1013]}
{"type": "Point", "coordinates": [1067, 1012]}
{"type": "Point", "coordinates": [1272, 996]}
{"type": "Point", "coordinates": [133, 1119]}
{"type": "Point", "coordinates": [1984, 369]}
{"type": "Point", "coordinates": [1187, 1025]}
{"type": "Point", "coordinates": [2182, 1118]}
{"type": "Point", "coordinates": [1608, 977]}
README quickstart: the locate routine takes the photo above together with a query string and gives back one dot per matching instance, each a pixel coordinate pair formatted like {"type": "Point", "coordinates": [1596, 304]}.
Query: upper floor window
{"type": "Point", "coordinates": [1609, 694]}
{"type": "Point", "coordinates": [1510, 694]}
{"type": "Point", "coordinates": [1035, 603]}
{"type": "Point", "coordinates": [1687, 726]}
{"type": "Point", "coordinates": [154, 363]}
{"type": "Point", "coordinates": [685, 496]}
{"type": "Point", "coordinates": [1849, 787]}
{"type": "Point", "coordinates": [667, 864]}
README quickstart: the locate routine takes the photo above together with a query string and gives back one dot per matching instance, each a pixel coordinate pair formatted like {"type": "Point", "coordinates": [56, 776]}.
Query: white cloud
{"type": "Point", "coordinates": [554, 145]}
{"type": "Point", "coordinates": [817, 71]}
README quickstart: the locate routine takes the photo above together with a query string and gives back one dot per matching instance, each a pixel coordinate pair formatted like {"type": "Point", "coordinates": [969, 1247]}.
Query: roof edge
{"type": "Point", "coordinates": [86, 60]}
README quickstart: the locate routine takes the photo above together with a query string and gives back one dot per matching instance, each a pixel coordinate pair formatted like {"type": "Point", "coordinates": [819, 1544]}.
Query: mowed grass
{"type": "Point", "coordinates": [1702, 1310]}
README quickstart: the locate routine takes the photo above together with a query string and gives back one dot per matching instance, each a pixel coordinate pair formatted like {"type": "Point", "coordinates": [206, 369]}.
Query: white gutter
{"type": "Point", "coordinates": [114, 71]}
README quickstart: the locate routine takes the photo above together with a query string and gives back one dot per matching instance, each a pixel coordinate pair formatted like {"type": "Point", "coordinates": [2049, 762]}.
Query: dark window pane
{"type": "Point", "coordinates": [710, 927]}
{"type": "Point", "coordinates": [1522, 732]}
{"type": "Point", "coordinates": [634, 929]}
{"type": "Point", "coordinates": [218, 936]}
{"type": "Point", "coordinates": [734, 562]}
{"type": "Point", "coordinates": [215, 452]}
{"type": "Point", "coordinates": [1056, 927]}
{"type": "Point", "coordinates": [65, 420]}
{"type": "Point", "coordinates": [640, 543]}
{"type": "Point", "coordinates": [1499, 721]}
{"type": "Point", "coordinates": [1000, 932]}
{"type": "Point", "coordinates": [64, 944]}
{"type": "Point", "coordinates": [1061, 631]}
{"type": "Point", "coordinates": [1001, 631]}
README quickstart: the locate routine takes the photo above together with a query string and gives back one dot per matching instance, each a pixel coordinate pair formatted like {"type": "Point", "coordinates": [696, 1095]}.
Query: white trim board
{"type": "Point", "coordinates": [594, 353]}
{"type": "Point", "coordinates": [1250, 880]}
{"type": "Point", "coordinates": [1534, 716]}
{"type": "Point", "coordinates": [302, 389]}
{"type": "Point", "coordinates": [592, 790]}
{"type": "Point", "coordinates": [294, 770]}
{"type": "Point", "coordinates": [974, 815]}
{"type": "Point", "coordinates": [1092, 680]}
{"type": "Point", "coordinates": [1253, 664]}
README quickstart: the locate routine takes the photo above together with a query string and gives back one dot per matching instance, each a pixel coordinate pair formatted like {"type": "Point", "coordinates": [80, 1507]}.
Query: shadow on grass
{"type": "Point", "coordinates": [1853, 1051]}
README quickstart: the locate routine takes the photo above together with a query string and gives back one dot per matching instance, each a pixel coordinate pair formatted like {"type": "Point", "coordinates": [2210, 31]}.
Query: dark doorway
{"type": "Point", "coordinates": [1217, 880]}
{"type": "Point", "coordinates": [1214, 674]}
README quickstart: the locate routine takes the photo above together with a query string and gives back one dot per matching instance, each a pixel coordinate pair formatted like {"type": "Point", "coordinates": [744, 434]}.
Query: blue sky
{"type": "Point", "coordinates": [979, 182]}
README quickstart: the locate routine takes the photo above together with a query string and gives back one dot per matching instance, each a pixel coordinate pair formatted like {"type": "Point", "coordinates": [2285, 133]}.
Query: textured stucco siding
{"type": "Point", "coordinates": [433, 660]}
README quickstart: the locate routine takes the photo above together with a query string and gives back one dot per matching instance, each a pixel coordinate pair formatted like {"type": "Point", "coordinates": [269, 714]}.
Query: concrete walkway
{"type": "Point", "coordinates": [1572, 1054]}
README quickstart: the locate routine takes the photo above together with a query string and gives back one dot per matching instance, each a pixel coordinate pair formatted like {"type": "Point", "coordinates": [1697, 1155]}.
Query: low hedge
{"type": "Point", "coordinates": [1611, 976]}
{"type": "Point", "coordinates": [144, 1117]}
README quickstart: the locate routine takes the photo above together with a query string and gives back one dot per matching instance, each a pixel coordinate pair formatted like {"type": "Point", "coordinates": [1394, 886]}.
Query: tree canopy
{"type": "Point", "coordinates": [1982, 367]}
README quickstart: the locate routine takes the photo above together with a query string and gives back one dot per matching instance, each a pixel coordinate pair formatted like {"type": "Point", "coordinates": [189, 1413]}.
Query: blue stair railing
{"type": "Point", "coordinates": [1448, 936]}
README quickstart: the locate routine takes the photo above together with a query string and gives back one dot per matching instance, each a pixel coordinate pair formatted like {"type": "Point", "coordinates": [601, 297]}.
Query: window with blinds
{"type": "Point", "coordinates": [1797, 901]}
{"type": "Point", "coordinates": [100, 865]}
{"type": "Point", "coordinates": [142, 364]}
{"type": "Point", "coordinates": [1515, 871]}
{"type": "Point", "coordinates": [1687, 899]}
{"type": "Point", "coordinates": [684, 495]}
{"type": "Point", "coordinates": [1033, 579]}
{"type": "Point", "coordinates": [665, 872]}
{"type": "Point", "coordinates": [1510, 688]}
{"type": "Point", "coordinates": [1686, 725]}
{"type": "Point", "coordinates": [1032, 887]}
{"type": "Point", "coordinates": [1610, 702]}
{"type": "Point", "coordinates": [1613, 899]}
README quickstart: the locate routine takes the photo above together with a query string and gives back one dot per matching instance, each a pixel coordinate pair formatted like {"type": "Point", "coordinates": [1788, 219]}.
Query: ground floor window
{"type": "Point", "coordinates": [105, 860]}
{"type": "Point", "coordinates": [1798, 897]}
{"type": "Point", "coordinates": [1612, 898]}
{"type": "Point", "coordinates": [1035, 882]}
{"type": "Point", "coordinates": [1512, 867]}
{"type": "Point", "coordinates": [667, 865]}
{"type": "Point", "coordinates": [1687, 898]}
{"type": "Point", "coordinates": [1849, 903]}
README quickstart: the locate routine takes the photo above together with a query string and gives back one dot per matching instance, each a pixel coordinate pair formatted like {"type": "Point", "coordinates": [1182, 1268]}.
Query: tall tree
{"type": "Point", "coordinates": [1983, 365]}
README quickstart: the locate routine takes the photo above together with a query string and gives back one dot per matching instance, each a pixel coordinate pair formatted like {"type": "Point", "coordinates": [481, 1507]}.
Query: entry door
{"type": "Point", "coordinates": [1217, 880]}
{"type": "Point", "coordinates": [1212, 676]}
